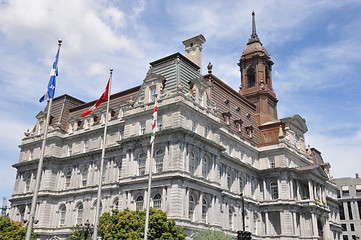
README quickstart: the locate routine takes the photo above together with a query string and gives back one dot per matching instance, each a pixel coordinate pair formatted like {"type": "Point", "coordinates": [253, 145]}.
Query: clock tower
{"type": "Point", "coordinates": [256, 78]}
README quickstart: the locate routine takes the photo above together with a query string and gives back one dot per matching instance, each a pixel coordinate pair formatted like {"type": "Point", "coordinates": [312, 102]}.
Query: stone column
{"type": "Point", "coordinates": [267, 222]}
{"type": "Point", "coordinates": [314, 225]}
{"type": "Point", "coordinates": [265, 190]}
{"type": "Point", "coordinates": [310, 189]}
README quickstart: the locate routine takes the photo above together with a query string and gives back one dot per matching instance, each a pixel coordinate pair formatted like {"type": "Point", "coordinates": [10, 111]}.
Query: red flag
{"type": "Point", "coordinates": [102, 98]}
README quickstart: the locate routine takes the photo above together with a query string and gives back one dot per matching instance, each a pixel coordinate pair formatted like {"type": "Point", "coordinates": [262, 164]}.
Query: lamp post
{"type": "Point", "coordinates": [243, 235]}
{"type": "Point", "coordinates": [86, 229]}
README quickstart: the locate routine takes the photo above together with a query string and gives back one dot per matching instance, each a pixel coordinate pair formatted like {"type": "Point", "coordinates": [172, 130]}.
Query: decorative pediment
{"type": "Point", "coordinates": [40, 115]}
{"type": "Point", "coordinates": [296, 121]}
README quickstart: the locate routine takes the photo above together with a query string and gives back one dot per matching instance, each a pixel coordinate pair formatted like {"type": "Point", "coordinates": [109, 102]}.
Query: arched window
{"type": "Point", "coordinates": [84, 176]}
{"type": "Point", "coordinates": [141, 163]}
{"type": "Point", "coordinates": [157, 201]}
{"type": "Point", "coordinates": [192, 205]}
{"type": "Point", "coordinates": [62, 213]}
{"type": "Point", "coordinates": [205, 166]}
{"type": "Point", "coordinates": [274, 190]}
{"type": "Point", "coordinates": [251, 77]}
{"type": "Point", "coordinates": [116, 203]}
{"type": "Point", "coordinates": [159, 155]}
{"type": "Point", "coordinates": [192, 163]}
{"type": "Point", "coordinates": [79, 213]}
{"type": "Point", "coordinates": [204, 209]}
{"type": "Point", "coordinates": [139, 203]}
{"type": "Point", "coordinates": [100, 208]}
{"type": "Point", "coordinates": [67, 178]}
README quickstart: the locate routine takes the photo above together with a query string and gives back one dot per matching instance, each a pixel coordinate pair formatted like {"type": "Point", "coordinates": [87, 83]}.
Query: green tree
{"type": "Point", "coordinates": [12, 230]}
{"type": "Point", "coordinates": [78, 234]}
{"type": "Point", "coordinates": [212, 235]}
{"type": "Point", "coordinates": [130, 225]}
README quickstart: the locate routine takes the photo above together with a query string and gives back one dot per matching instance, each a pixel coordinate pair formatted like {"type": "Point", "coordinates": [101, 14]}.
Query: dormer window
{"type": "Point", "coordinates": [251, 78]}
{"type": "Point", "coordinates": [79, 124]}
{"type": "Point", "coordinates": [227, 117]}
{"type": "Point", "coordinates": [238, 124]}
{"type": "Point", "coordinates": [249, 131]}
{"type": "Point", "coordinates": [95, 119]}
{"type": "Point", "coordinates": [40, 127]}
{"type": "Point", "coordinates": [152, 94]}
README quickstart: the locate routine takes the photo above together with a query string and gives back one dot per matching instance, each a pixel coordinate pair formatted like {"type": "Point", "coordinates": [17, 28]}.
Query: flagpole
{"type": "Point", "coordinates": [95, 236]}
{"type": "Point", "coordinates": [40, 167]}
{"type": "Point", "coordinates": [149, 181]}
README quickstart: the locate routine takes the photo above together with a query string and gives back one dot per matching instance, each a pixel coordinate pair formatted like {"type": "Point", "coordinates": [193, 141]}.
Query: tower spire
{"type": "Point", "coordinates": [254, 37]}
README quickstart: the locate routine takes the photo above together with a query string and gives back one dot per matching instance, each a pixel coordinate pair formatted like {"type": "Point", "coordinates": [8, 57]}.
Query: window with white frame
{"type": "Point", "coordinates": [157, 201]}
{"type": "Point", "coordinates": [274, 189]}
{"type": "Point", "coordinates": [241, 185]}
{"type": "Point", "coordinates": [142, 157]}
{"type": "Point", "coordinates": [142, 128]}
{"type": "Point", "coordinates": [159, 156]}
{"type": "Point", "coordinates": [79, 213]}
{"type": "Point", "coordinates": [139, 203]}
{"type": "Point", "coordinates": [62, 214]}
{"type": "Point", "coordinates": [152, 93]}
{"type": "Point", "coordinates": [192, 205]}
{"type": "Point", "coordinates": [229, 180]}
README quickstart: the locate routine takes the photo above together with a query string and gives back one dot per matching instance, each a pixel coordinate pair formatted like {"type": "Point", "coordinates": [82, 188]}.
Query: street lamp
{"type": "Point", "coordinates": [243, 235]}
{"type": "Point", "coordinates": [86, 229]}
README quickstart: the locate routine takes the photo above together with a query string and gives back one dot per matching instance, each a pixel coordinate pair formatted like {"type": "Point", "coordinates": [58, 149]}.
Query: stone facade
{"type": "Point", "coordinates": [349, 194]}
{"type": "Point", "coordinates": [213, 143]}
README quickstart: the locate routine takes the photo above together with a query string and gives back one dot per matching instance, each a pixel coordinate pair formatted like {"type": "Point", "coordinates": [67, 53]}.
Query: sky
{"type": "Point", "coordinates": [315, 46]}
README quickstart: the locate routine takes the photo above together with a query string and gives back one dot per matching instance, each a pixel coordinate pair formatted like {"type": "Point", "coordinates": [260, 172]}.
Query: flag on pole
{"type": "Point", "coordinates": [102, 98]}
{"type": "Point", "coordinates": [52, 82]}
{"type": "Point", "coordinates": [154, 122]}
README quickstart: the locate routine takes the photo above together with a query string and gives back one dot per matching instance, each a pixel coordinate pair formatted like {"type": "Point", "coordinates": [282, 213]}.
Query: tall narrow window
{"type": "Point", "coordinates": [116, 203]}
{"type": "Point", "coordinates": [157, 201]}
{"type": "Point", "coordinates": [159, 123]}
{"type": "Point", "coordinates": [229, 180]}
{"type": "Point", "coordinates": [274, 190]}
{"type": "Point", "coordinates": [86, 146]}
{"type": "Point", "coordinates": [142, 128]}
{"type": "Point", "coordinates": [141, 163]}
{"type": "Point", "coordinates": [192, 205]}
{"type": "Point", "coordinates": [67, 178]}
{"type": "Point", "coordinates": [205, 166]}
{"type": "Point", "coordinates": [230, 218]}
{"type": "Point", "coordinates": [84, 176]}
{"type": "Point", "coordinates": [79, 213]}
{"type": "Point", "coordinates": [27, 182]}
{"type": "Point", "coordinates": [159, 156]}
{"type": "Point", "coordinates": [349, 210]}
{"type": "Point", "coordinates": [62, 213]}
{"type": "Point", "coordinates": [204, 209]}
{"type": "Point", "coordinates": [151, 94]}
{"type": "Point", "coordinates": [342, 211]}
{"type": "Point", "coordinates": [192, 163]}
{"type": "Point", "coordinates": [206, 131]}
{"type": "Point", "coordinates": [241, 187]}
{"type": "Point", "coordinates": [251, 78]}
{"type": "Point", "coordinates": [194, 126]}
{"type": "Point", "coordinates": [139, 203]}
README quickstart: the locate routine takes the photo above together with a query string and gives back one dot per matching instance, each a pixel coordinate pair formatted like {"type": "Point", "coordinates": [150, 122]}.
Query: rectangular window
{"type": "Point", "coordinates": [142, 128]}
{"type": "Point", "coordinates": [342, 212]}
{"type": "Point", "coordinates": [358, 189]}
{"type": "Point", "coordinates": [206, 131]}
{"type": "Point", "coordinates": [349, 210]}
{"type": "Point", "coordinates": [359, 208]}
{"type": "Point", "coordinates": [159, 123]}
{"type": "Point", "coordinates": [345, 191]}
{"type": "Point", "coordinates": [344, 237]}
{"type": "Point", "coordinates": [352, 227]}
{"type": "Point", "coordinates": [194, 126]}
{"type": "Point", "coordinates": [152, 94]}
{"type": "Point", "coordinates": [344, 228]}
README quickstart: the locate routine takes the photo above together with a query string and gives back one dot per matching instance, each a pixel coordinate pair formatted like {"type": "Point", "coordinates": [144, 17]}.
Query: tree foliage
{"type": "Point", "coordinates": [130, 225]}
{"type": "Point", "coordinates": [12, 230]}
{"type": "Point", "coordinates": [78, 234]}
{"type": "Point", "coordinates": [212, 235]}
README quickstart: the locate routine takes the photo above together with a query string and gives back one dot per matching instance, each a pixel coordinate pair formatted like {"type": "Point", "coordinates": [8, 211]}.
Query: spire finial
{"type": "Point", "coordinates": [254, 37]}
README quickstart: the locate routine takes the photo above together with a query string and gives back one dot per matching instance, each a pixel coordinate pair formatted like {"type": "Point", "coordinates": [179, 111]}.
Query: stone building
{"type": "Point", "coordinates": [213, 143]}
{"type": "Point", "coordinates": [349, 194]}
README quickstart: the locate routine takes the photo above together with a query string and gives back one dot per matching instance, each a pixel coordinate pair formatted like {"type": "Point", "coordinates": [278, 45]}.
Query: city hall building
{"type": "Point", "coordinates": [213, 143]}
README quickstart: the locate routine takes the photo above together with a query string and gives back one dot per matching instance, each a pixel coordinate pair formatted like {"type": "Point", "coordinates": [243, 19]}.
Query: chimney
{"type": "Point", "coordinates": [193, 49]}
{"type": "Point", "coordinates": [357, 176]}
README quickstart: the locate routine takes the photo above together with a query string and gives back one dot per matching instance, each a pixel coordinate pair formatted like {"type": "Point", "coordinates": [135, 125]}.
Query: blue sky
{"type": "Point", "coordinates": [315, 46]}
